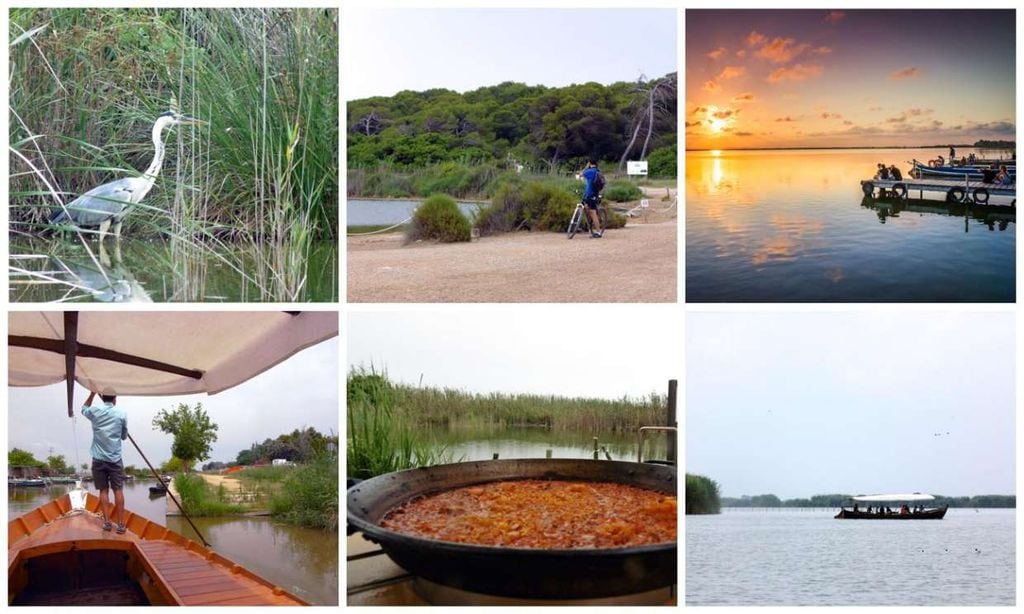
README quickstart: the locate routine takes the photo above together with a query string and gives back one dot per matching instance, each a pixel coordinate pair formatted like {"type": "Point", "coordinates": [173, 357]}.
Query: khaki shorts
{"type": "Point", "coordinates": [107, 475]}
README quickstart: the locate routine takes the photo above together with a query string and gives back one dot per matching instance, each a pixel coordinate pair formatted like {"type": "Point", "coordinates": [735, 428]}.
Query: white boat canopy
{"type": "Point", "coordinates": [156, 353]}
{"type": "Point", "coordinates": [917, 496]}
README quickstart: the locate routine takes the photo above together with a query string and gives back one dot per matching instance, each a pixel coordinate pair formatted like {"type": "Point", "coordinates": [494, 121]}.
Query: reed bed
{"type": "Point", "coordinates": [200, 499]}
{"type": "Point", "coordinates": [261, 178]}
{"type": "Point", "coordinates": [702, 495]}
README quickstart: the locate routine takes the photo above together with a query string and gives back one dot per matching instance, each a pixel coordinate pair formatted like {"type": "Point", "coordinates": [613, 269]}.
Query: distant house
{"type": "Point", "coordinates": [278, 462]}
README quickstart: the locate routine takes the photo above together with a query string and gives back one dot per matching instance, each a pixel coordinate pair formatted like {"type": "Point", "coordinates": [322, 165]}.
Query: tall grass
{"type": "Point", "coordinates": [87, 84]}
{"type": "Point", "coordinates": [309, 495]}
{"type": "Point", "coordinates": [200, 499]}
{"type": "Point", "coordinates": [380, 439]}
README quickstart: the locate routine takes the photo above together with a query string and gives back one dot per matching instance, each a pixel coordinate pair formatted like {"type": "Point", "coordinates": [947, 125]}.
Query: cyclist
{"type": "Point", "coordinates": [593, 183]}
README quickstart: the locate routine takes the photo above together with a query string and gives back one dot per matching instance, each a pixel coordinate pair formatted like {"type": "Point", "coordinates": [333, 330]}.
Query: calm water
{"type": "Point", "coordinates": [757, 557]}
{"type": "Point", "coordinates": [793, 226]}
{"type": "Point", "coordinates": [386, 212]}
{"type": "Point", "coordinates": [469, 444]}
{"type": "Point", "coordinates": [150, 271]}
{"type": "Point", "coordinates": [305, 561]}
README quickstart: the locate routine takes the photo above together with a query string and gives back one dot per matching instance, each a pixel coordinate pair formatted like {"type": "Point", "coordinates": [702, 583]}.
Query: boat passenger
{"type": "Point", "coordinates": [1004, 177]}
{"type": "Point", "coordinates": [952, 154]}
{"type": "Point", "coordinates": [971, 158]}
{"type": "Point", "coordinates": [855, 510]}
{"type": "Point", "coordinates": [109, 429]}
{"type": "Point", "coordinates": [895, 174]}
{"type": "Point", "coordinates": [882, 172]}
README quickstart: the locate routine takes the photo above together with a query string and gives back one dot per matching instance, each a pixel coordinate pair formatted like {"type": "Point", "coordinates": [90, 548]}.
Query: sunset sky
{"type": "Point", "coordinates": [788, 78]}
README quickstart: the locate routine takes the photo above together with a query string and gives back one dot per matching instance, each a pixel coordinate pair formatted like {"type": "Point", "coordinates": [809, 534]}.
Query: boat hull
{"type": "Point", "coordinates": [931, 514]}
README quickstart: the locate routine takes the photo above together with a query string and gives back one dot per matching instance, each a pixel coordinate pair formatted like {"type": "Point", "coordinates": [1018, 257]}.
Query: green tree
{"type": "Point", "coordinates": [193, 431]}
{"type": "Point", "coordinates": [174, 465]}
{"type": "Point", "coordinates": [57, 464]}
{"type": "Point", "coordinates": [21, 458]}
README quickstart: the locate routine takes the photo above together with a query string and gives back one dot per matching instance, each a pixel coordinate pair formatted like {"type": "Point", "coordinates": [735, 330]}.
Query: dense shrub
{"type": "Point", "coordinates": [662, 162]}
{"type": "Point", "coordinates": [439, 217]}
{"type": "Point", "coordinates": [533, 205]}
{"type": "Point", "coordinates": [702, 496]}
{"type": "Point", "coordinates": [622, 191]}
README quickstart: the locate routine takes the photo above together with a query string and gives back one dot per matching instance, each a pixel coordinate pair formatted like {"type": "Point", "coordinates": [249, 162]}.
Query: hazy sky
{"type": "Point", "coordinates": [301, 391]}
{"type": "Point", "coordinates": [798, 404]}
{"type": "Point", "coordinates": [525, 349]}
{"type": "Point", "coordinates": [463, 49]}
{"type": "Point", "coordinates": [788, 78]}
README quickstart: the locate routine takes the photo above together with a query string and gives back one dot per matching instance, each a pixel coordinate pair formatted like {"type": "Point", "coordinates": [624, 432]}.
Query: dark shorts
{"type": "Point", "coordinates": [592, 202]}
{"type": "Point", "coordinates": [107, 475]}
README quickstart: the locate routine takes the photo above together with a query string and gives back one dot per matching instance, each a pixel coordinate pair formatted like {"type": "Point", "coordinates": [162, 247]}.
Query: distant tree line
{"type": "Point", "coordinates": [299, 446]}
{"type": "Point", "coordinates": [702, 495]}
{"type": "Point", "coordinates": [837, 500]}
{"type": "Point", "coordinates": [537, 126]}
{"type": "Point", "coordinates": [986, 144]}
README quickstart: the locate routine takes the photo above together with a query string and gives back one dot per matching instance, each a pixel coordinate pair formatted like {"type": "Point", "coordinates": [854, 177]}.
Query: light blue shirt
{"type": "Point", "coordinates": [109, 427]}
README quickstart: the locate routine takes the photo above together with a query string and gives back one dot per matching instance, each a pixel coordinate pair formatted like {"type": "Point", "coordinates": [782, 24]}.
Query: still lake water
{"type": "Point", "coordinates": [305, 561]}
{"type": "Point", "coordinates": [794, 226]}
{"type": "Point", "coordinates": [472, 444]}
{"type": "Point", "coordinates": [386, 212]}
{"type": "Point", "coordinates": [790, 557]}
{"type": "Point", "coordinates": [153, 272]}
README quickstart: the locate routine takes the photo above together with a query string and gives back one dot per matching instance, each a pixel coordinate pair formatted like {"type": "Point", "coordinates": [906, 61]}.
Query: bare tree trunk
{"type": "Point", "coordinates": [650, 122]}
{"type": "Point", "coordinates": [625, 154]}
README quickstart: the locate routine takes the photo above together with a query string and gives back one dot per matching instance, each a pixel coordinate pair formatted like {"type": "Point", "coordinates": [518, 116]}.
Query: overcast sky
{"type": "Point", "coordinates": [798, 404]}
{"type": "Point", "coordinates": [463, 49]}
{"type": "Point", "coordinates": [301, 391]}
{"type": "Point", "coordinates": [536, 349]}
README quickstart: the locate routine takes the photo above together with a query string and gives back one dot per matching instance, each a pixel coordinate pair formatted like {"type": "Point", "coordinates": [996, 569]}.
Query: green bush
{"type": "Point", "coordinates": [662, 162]}
{"type": "Point", "coordinates": [534, 205]}
{"type": "Point", "coordinates": [439, 218]}
{"type": "Point", "coordinates": [199, 499]}
{"type": "Point", "coordinates": [309, 497]}
{"type": "Point", "coordinates": [622, 191]}
{"type": "Point", "coordinates": [702, 496]}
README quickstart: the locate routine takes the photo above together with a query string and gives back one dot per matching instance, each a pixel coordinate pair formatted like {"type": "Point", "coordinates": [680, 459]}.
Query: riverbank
{"type": "Point", "coordinates": [633, 264]}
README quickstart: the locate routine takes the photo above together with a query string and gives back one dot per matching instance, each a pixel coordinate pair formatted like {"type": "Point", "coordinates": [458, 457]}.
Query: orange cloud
{"type": "Point", "coordinates": [905, 73]}
{"type": "Point", "coordinates": [827, 115]}
{"type": "Point", "coordinates": [731, 72]}
{"type": "Point", "coordinates": [785, 119]}
{"type": "Point", "coordinates": [796, 72]}
{"type": "Point", "coordinates": [834, 17]}
{"type": "Point", "coordinates": [742, 53]}
{"type": "Point", "coordinates": [781, 50]}
{"type": "Point", "coordinates": [717, 53]}
{"type": "Point", "coordinates": [711, 86]}
{"type": "Point", "coordinates": [822, 50]}
{"type": "Point", "coordinates": [744, 97]}
{"type": "Point", "coordinates": [755, 38]}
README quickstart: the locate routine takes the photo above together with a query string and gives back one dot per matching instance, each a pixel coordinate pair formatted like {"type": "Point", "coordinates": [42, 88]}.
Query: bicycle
{"type": "Point", "coordinates": [580, 219]}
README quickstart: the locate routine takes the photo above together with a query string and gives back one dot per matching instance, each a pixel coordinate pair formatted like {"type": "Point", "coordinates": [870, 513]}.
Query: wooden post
{"type": "Point", "coordinates": [595, 448]}
{"type": "Point", "coordinates": [670, 419]}
{"type": "Point", "coordinates": [495, 456]}
{"type": "Point", "coordinates": [547, 453]}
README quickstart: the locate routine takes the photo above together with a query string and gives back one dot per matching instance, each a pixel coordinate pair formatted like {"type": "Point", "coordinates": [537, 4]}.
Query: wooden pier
{"type": "Point", "coordinates": [953, 191]}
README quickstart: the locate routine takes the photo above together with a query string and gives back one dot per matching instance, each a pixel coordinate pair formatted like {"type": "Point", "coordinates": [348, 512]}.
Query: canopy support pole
{"type": "Point", "coordinates": [70, 354]}
{"type": "Point", "coordinates": [169, 493]}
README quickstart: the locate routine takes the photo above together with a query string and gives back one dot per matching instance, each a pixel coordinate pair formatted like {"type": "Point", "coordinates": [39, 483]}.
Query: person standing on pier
{"type": "Point", "coordinates": [952, 154]}
{"type": "Point", "coordinates": [109, 429]}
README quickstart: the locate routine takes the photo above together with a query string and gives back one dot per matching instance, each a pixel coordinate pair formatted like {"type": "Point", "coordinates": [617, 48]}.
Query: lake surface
{"type": "Point", "coordinates": [305, 561]}
{"type": "Point", "coordinates": [789, 557]}
{"type": "Point", "coordinates": [154, 271]}
{"type": "Point", "coordinates": [794, 226]}
{"type": "Point", "coordinates": [471, 444]}
{"type": "Point", "coordinates": [363, 212]}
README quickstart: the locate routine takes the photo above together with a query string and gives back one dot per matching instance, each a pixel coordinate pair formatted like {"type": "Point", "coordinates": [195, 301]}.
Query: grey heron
{"type": "Point", "coordinates": [107, 204]}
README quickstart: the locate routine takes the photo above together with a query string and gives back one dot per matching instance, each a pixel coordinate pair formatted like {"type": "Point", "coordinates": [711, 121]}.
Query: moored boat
{"type": "Point", "coordinates": [26, 482]}
{"type": "Point", "coordinates": [903, 510]}
{"type": "Point", "coordinates": [955, 172]}
{"type": "Point", "coordinates": [58, 554]}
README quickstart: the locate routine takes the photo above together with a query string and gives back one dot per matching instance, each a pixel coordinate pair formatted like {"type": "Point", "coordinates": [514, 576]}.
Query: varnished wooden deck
{"type": "Point", "coordinates": [186, 572]}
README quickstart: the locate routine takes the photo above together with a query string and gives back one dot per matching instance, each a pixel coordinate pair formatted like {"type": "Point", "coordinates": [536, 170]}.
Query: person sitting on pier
{"type": "Point", "coordinates": [1004, 177]}
{"type": "Point", "coordinates": [109, 429]}
{"type": "Point", "coordinates": [895, 174]}
{"type": "Point", "coordinates": [882, 172]}
{"type": "Point", "coordinates": [971, 158]}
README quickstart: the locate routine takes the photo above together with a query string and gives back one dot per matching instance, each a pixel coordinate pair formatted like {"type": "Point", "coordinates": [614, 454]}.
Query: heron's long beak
{"type": "Point", "coordinates": [190, 121]}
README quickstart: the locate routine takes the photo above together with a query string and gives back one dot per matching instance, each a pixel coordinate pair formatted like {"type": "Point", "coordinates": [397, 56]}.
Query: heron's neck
{"type": "Point", "coordinates": [158, 157]}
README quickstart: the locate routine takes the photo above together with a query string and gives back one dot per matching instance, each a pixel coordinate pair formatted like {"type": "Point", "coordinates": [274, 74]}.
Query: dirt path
{"type": "Point", "coordinates": [632, 264]}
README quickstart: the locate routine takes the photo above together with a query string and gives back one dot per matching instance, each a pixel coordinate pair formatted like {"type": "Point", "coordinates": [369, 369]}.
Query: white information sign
{"type": "Point", "coordinates": [635, 168]}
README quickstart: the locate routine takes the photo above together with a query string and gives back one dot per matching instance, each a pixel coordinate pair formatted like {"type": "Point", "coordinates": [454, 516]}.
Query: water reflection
{"type": "Point", "coordinates": [142, 271]}
{"type": "Point", "coordinates": [791, 226]}
{"type": "Point", "coordinates": [482, 442]}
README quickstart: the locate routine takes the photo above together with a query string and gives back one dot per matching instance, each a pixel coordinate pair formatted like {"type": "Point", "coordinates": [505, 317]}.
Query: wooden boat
{"type": "Point", "coordinates": [158, 489]}
{"type": "Point", "coordinates": [58, 554]}
{"type": "Point", "coordinates": [902, 510]}
{"type": "Point", "coordinates": [27, 483]}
